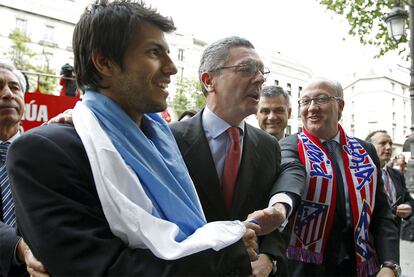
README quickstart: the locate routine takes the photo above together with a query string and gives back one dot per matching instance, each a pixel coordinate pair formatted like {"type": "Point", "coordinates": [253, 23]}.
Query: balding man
{"type": "Point", "coordinates": [344, 225]}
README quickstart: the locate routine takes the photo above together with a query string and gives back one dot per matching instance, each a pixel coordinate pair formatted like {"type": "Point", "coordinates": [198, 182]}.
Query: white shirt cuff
{"type": "Point", "coordinates": [285, 199]}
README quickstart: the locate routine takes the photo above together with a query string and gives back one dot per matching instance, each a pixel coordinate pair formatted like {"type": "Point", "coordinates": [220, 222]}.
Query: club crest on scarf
{"type": "Point", "coordinates": [310, 213]}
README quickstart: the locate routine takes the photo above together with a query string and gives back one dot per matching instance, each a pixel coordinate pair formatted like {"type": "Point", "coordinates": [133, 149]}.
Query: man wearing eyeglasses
{"type": "Point", "coordinates": [343, 225]}
{"type": "Point", "coordinates": [274, 111]}
{"type": "Point", "coordinates": [233, 165]}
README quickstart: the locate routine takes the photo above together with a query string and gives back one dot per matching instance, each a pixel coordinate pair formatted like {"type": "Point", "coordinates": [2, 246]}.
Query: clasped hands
{"type": "Point", "coordinates": [262, 222]}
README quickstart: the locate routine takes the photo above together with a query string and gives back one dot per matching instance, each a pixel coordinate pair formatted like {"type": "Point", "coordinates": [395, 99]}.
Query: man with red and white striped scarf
{"type": "Point", "coordinates": [343, 225]}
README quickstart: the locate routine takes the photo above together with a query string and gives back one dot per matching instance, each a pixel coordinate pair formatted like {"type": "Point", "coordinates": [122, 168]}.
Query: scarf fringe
{"type": "Point", "coordinates": [303, 255]}
{"type": "Point", "coordinates": [368, 267]}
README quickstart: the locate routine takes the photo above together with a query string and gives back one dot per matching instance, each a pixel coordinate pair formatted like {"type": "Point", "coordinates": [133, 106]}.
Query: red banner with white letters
{"type": "Point", "coordinates": [40, 107]}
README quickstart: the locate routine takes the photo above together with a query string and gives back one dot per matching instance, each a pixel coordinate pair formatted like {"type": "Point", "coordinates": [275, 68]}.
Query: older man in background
{"type": "Point", "coordinates": [394, 182]}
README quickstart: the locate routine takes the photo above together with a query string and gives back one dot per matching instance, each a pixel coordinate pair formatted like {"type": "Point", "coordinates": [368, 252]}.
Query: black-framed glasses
{"type": "Point", "coordinates": [247, 70]}
{"type": "Point", "coordinates": [318, 100]}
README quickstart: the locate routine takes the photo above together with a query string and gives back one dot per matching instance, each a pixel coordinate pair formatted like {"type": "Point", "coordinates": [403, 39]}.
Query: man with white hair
{"type": "Point", "coordinates": [12, 87]}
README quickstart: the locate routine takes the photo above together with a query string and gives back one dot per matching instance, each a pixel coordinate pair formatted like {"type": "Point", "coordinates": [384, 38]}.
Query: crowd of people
{"type": "Point", "coordinates": [112, 189]}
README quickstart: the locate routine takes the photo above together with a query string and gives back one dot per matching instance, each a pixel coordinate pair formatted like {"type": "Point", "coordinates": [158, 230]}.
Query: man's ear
{"type": "Point", "coordinates": [208, 81]}
{"type": "Point", "coordinates": [103, 64]}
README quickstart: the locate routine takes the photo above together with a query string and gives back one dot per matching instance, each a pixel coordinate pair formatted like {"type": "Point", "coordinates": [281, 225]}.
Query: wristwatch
{"type": "Point", "coordinates": [394, 266]}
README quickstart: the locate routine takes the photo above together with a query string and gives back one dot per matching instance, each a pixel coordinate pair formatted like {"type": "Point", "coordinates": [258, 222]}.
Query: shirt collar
{"type": "Point", "coordinates": [215, 125]}
{"type": "Point", "coordinates": [13, 138]}
{"type": "Point", "coordinates": [335, 138]}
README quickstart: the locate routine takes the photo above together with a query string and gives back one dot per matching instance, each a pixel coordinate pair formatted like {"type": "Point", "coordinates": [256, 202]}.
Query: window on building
{"type": "Point", "coordinates": [393, 102]}
{"type": "Point", "coordinates": [393, 117]}
{"type": "Point", "coordinates": [392, 86]}
{"type": "Point", "coordinates": [276, 82]}
{"type": "Point", "coordinates": [288, 130]}
{"type": "Point", "coordinates": [21, 25]}
{"type": "Point", "coordinates": [49, 33]}
{"type": "Point", "coordinates": [181, 54]}
{"type": "Point", "coordinates": [299, 90]}
{"type": "Point", "coordinates": [300, 129]}
{"type": "Point", "coordinates": [289, 88]}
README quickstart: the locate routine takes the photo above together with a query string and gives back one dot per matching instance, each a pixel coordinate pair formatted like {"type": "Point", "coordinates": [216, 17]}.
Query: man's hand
{"type": "Point", "coordinates": [262, 267]}
{"type": "Point", "coordinates": [250, 240]}
{"type": "Point", "coordinates": [386, 272]}
{"type": "Point", "coordinates": [403, 210]}
{"type": "Point", "coordinates": [21, 248]}
{"type": "Point", "coordinates": [34, 266]}
{"type": "Point", "coordinates": [269, 219]}
{"type": "Point", "coordinates": [65, 117]}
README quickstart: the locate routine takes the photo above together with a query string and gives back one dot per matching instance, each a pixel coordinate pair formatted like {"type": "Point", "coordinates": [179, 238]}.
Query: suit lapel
{"type": "Point", "coordinates": [201, 166]}
{"type": "Point", "coordinates": [247, 170]}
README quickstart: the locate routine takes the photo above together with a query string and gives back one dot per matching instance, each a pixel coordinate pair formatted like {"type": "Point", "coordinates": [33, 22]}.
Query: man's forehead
{"type": "Point", "coordinates": [382, 137]}
{"type": "Point", "coordinates": [318, 87]}
{"type": "Point", "coordinates": [278, 100]}
{"type": "Point", "coordinates": [242, 53]}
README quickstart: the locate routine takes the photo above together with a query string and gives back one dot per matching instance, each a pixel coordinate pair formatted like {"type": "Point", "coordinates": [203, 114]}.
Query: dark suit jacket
{"type": "Point", "coordinates": [8, 241]}
{"type": "Point", "coordinates": [401, 190]}
{"type": "Point", "coordinates": [62, 220]}
{"type": "Point", "coordinates": [259, 169]}
{"type": "Point", "coordinates": [383, 228]}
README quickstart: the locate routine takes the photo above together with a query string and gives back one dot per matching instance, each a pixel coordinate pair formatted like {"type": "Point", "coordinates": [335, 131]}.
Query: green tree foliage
{"type": "Point", "coordinates": [27, 60]}
{"type": "Point", "coordinates": [19, 53]}
{"type": "Point", "coordinates": [188, 96]}
{"type": "Point", "coordinates": [366, 21]}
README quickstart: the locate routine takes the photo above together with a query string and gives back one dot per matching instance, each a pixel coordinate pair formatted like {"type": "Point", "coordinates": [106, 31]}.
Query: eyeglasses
{"type": "Point", "coordinates": [247, 70]}
{"type": "Point", "coordinates": [318, 100]}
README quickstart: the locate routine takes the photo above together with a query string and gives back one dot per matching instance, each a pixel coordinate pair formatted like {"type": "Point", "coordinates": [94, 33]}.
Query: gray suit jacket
{"type": "Point", "coordinates": [258, 172]}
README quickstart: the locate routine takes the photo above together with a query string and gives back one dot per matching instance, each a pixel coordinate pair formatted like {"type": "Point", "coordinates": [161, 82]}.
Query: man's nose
{"type": "Point", "coordinates": [259, 77]}
{"type": "Point", "coordinates": [272, 115]}
{"type": "Point", "coordinates": [6, 92]}
{"type": "Point", "coordinates": [169, 66]}
{"type": "Point", "coordinates": [313, 105]}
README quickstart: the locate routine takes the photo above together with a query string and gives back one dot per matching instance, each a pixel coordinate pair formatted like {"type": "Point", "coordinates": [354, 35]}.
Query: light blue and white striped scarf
{"type": "Point", "coordinates": [146, 192]}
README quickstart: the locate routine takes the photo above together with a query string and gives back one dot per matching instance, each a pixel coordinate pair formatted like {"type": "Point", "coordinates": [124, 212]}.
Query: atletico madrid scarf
{"type": "Point", "coordinates": [313, 220]}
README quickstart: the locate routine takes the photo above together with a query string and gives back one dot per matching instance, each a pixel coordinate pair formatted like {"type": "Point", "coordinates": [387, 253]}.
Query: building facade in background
{"type": "Point", "coordinates": [48, 23]}
{"type": "Point", "coordinates": [378, 99]}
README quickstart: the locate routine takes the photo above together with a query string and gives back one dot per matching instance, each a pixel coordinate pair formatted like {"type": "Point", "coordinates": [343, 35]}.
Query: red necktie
{"type": "Point", "coordinates": [231, 166]}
